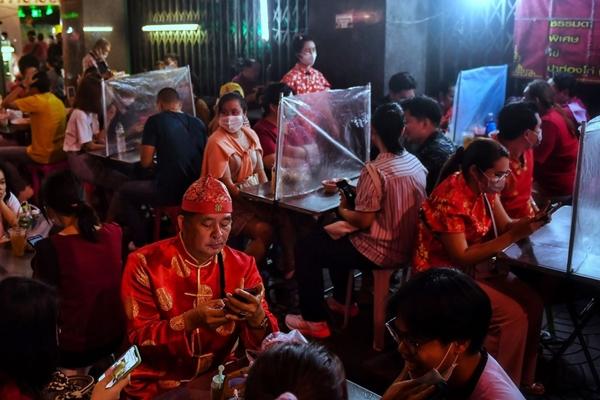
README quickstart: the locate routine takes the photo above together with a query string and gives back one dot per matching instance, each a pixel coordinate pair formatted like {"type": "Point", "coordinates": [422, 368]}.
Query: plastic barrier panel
{"type": "Point", "coordinates": [129, 101]}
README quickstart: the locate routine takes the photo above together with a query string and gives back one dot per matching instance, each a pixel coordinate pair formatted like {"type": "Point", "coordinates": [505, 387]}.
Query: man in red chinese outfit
{"type": "Point", "coordinates": [179, 296]}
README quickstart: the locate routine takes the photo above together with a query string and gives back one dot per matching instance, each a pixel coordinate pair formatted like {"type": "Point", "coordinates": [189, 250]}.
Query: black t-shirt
{"type": "Point", "coordinates": [179, 140]}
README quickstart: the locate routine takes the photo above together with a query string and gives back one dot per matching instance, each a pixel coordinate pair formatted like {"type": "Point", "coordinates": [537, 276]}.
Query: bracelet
{"type": "Point", "coordinates": [263, 324]}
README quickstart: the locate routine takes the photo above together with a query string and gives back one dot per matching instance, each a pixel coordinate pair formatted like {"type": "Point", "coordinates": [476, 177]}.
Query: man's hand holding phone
{"type": "Point", "coordinates": [246, 304]}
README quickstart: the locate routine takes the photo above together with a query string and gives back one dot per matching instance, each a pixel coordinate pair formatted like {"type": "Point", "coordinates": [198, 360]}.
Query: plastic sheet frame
{"type": "Point", "coordinates": [131, 100]}
{"type": "Point", "coordinates": [322, 135]}
{"type": "Point", "coordinates": [584, 244]}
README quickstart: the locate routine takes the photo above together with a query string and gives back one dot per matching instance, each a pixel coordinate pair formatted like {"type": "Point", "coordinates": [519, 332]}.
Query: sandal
{"type": "Point", "coordinates": [535, 389]}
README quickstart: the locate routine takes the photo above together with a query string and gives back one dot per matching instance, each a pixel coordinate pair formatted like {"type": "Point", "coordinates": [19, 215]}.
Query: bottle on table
{"type": "Point", "coordinates": [121, 141]}
{"type": "Point", "coordinates": [490, 125]}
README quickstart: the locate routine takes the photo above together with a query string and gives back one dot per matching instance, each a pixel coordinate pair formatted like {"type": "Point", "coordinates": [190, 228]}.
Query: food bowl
{"type": "Point", "coordinates": [330, 185]}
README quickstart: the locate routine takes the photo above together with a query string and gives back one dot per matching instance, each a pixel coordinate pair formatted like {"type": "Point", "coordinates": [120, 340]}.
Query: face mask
{"type": "Point", "coordinates": [232, 123]}
{"type": "Point", "coordinates": [435, 377]}
{"type": "Point", "coordinates": [538, 135]}
{"type": "Point", "coordinates": [492, 185]}
{"type": "Point", "coordinates": [308, 59]}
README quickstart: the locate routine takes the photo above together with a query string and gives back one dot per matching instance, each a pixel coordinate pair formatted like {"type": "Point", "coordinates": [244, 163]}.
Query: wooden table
{"type": "Point", "coordinates": [315, 203]}
{"type": "Point", "coordinates": [546, 250]}
{"type": "Point", "coordinates": [11, 265]}
{"type": "Point", "coordinates": [130, 157]}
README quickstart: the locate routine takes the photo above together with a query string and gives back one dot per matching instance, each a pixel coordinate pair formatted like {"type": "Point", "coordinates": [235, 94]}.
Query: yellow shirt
{"type": "Point", "coordinates": [48, 121]}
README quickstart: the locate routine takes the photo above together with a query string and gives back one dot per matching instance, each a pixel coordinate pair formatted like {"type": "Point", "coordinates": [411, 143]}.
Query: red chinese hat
{"type": "Point", "coordinates": [207, 196]}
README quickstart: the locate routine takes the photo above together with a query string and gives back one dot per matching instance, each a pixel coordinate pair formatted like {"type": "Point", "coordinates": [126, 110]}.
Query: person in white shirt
{"type": "Point", "coordinates": [441, 319]}
{"type": "Point", "coordinates": [9, 204]}
{"type": "Point", "coordinates": [83, 135]}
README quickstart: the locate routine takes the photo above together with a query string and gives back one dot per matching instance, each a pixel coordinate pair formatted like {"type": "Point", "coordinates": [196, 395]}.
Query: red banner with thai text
{"type": "Point", "coordinates": [557, 36]}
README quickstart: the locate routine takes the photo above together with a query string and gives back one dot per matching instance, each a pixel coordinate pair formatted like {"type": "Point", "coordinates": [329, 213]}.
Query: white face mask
{"type": "Point", "coordinates": [308, 59]}
{"type": "Point", "coordinates": [127, 101]}
{"type": "Point", "coordinates": [434, 376]}
{"type": "Point", "coordinates": [231, 123]}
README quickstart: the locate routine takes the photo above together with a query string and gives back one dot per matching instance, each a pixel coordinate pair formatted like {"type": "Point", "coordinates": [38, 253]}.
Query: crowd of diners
{"type": "Point", "coordinates": [465, 326]}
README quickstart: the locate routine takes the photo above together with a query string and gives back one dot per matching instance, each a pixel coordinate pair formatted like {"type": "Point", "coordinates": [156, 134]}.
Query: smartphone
{"type": "Point", "coordinates": [254, 291]}
{"type": "Point", "coordinates": [123, 366]}
{"type": "Point", "coordinates": [32, 240]}
{"type": "Point", "coordinates": [552, 208]}
{"type": "Point", "coordinates": [348, 190]}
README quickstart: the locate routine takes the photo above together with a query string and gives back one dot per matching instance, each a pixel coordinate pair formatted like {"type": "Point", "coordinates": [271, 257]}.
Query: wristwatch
{"type": "Point", "coordinates": [263, 324]}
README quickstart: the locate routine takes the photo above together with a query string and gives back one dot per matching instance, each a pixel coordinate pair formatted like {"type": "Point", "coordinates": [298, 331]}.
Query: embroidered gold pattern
{"type": "Point", "coordinates": [132, 309]}
{"type": "Point", "coordinates": [226, 329]}
{"type": "Point", "coordinates": [142, 277]}
{"type": "Point", "coordinates": [177, 323]}
{"type": "Point", "coordinates": [148, 343]}
{"type": "Point", "coordinates": [165, 300]}
{"type": "Point", "coordinates": [181, 268]}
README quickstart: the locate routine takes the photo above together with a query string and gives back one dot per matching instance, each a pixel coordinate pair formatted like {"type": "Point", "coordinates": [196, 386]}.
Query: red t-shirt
{"type": "Point", "coordinates": [556, 156]}
{"type": "Point", "coordinates": [516, 196]}
{"type": "Point", "coordinates": [87, 276]}
{"type": "Point", "coordinates": [267, 134]}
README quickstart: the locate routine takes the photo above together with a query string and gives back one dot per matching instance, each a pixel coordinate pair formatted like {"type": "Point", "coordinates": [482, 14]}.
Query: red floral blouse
{"type": "Point", "coordinates": [453, 207]}
{"type": "Point", "coordinates": [302, 79]}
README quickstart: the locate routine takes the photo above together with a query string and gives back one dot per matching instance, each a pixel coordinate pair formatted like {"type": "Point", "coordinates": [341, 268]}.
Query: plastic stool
{"type": "Point", "coordinates": [40, 171]}
{"type": "Point", "coordinates": [170, 212]}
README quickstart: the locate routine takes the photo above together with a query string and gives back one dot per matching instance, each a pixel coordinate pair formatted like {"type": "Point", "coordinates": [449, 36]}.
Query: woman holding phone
{"type": "Point", "coordinates": [28, 343]}
{"type": "Point", "coordinates": [463, 225]}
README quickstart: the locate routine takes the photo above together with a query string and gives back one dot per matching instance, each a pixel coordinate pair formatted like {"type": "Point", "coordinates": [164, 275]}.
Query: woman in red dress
{"type": "Point", "coordinates": [303, 78]}
{"type": "Point", "coordinates": [463, 225]}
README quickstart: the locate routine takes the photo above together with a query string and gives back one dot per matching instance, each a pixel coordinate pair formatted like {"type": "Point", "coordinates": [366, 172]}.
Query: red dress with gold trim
{"type": "Point", "coordinates": [452, 207]}
{"type": "Point", "coordinates": [516, 195]}
{"type": "Point", "coordinates": [161, 282]}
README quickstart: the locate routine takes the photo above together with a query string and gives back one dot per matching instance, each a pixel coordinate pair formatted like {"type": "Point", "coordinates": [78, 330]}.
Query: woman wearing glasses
{"type": "Point", "coordinates": [463, 224]}
{"type": "Point", "coordinates": [441, 341]}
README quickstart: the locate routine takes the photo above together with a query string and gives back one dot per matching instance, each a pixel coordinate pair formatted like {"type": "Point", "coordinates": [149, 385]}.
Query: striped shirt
{"type": "Point", "coordinates": [390, 239]}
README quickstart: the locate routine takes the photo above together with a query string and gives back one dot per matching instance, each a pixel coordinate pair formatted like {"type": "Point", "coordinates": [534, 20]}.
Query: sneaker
{"type": "Point", "coordinates": [339, 308]}
{"type": "Point", "coordinates": [318, 330]}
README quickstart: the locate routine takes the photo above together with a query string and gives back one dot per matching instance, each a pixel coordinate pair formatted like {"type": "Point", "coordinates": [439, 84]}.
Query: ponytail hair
{"type": "Point", "coordinates": [483, 153]}
{"type": "Point", "coordinates": [61, 193]}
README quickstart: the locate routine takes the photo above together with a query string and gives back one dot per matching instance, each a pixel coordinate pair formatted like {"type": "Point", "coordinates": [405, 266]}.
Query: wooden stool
{"type": "Point", "coordinates": [169, 211]}
{"type": "Point", "coordinates": [40, 171]}
{"type": "Point", "coordinates": [381, 288]}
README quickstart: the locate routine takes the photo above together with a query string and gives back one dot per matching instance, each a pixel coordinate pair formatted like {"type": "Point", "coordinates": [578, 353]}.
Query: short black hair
{"type": "Point", "coordinates": [31, 33]}
{"type": "Point", "coordinates": [227, 97]}
{"type": "Point", "coordinates": [515, 118]}
{"type": "Point", "coordinates": [308, 371]}
{"type": "Point", "coordinates": [401, 81]}
{"type": "Point", "coordinates": [424, 107]}
{"type": "Point", "coordinates": [168, 95]}
{"type": "Point", "coordinates": [42, 82]}
{"type": "Point", "coordinates": [248, 63]}
{"type": "Point", "coordinates": [451, 307]}
{"type": "Point", "coordinates": [40, 36]}
{"type": "Point", "coordinates": [388, 121]}
{"type": "Point", "coordinates": [564, 80]}
{"type": "Point", "coordinates": [27, 61]}
{"type": "Point", "coordinates": [299, 40]}
{"type": "Point", "coordinates": [272, 94]}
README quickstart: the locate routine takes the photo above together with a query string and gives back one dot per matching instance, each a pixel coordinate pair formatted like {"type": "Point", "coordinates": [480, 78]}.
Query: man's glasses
{"type": "Point", "coordinates": [498, 176]}
{"type": "Point", "coordinates": [411, 344]}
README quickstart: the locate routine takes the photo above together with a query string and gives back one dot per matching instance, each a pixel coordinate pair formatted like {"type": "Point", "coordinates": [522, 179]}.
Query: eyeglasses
{"type": "Point", "coordinates": [498, 175]}
{"type": "Point", "coordinates": [411, 343]}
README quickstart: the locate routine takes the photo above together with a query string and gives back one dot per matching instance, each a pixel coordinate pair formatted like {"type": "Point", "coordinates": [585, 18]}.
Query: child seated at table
{"type": "Point", "coordinates": [296, 371]}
